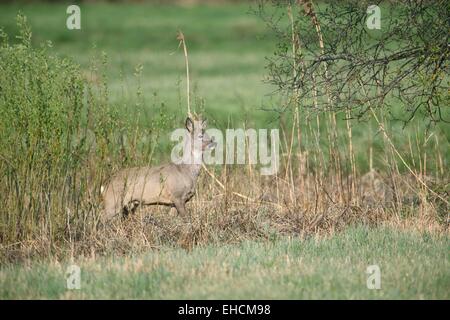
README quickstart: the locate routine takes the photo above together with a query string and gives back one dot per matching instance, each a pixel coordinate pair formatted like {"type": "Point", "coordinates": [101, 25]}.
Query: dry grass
{"type": "Point", "coordinates": [221, 217]}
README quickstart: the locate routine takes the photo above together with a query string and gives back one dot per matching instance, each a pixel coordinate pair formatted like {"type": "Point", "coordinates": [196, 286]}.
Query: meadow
{"type": "Point", "coordinates": [413, 266]}
{"type": "Point", "coordinates": [107, 96]}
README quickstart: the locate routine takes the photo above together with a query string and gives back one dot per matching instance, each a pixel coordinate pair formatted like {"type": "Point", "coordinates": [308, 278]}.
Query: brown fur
{"type": "Point", "coordinates": [170, 184]}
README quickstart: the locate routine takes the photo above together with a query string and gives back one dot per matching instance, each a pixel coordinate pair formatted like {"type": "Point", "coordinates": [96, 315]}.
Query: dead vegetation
{"type": "Point", "coordinates": [221, 217]}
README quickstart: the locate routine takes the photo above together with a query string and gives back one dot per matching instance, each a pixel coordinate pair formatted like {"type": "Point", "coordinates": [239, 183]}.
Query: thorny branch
{"type": "Point", "coordinates": [405, 63]}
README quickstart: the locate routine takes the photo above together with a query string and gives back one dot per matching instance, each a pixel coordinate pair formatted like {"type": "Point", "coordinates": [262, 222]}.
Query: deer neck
{"type": "Point", "coordinates": [192, 160]}
{"type": "Point", "coordinates": [194, 170]}
{"type": "Point", "coordinates": [196, 165]}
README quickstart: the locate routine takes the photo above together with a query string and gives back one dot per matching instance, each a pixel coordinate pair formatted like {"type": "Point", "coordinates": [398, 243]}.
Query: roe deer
{"type": "Point", "coordinates": [170, 184]}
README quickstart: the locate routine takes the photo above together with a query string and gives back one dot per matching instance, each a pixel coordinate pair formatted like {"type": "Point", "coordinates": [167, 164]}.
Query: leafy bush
{"type": "Point", "coordinates": [46, 141]}
{"type": "Point", "coordinates": [60, 138]}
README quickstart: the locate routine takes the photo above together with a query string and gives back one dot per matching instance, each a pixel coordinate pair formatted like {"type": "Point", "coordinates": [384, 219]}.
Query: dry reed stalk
{"type": "Point", "coordinates": [225, 188]}
{"type": "Point", "coordinates": [308, 8]}
{"type": "Point", "coordinates": [296, 49]}
{"type": "Point", "coordinates": [247, 148]}
{"type": "Point", "coordinates": [288, 166]}
{"type": "Point", "coordinates": [392, 167]}
{"type": "Point", "coordinates": [395, 150]}
{"type": "Point", "coordinates": [301, 158]}
{"type": "Point", "coordinates": [278, 188]}
{"type": "Point", "coordinates": [318, 177]}
{"type": "Point", "coordinates": [182, 40]}
{"type": "Point", "coordinates": [296, 121]}
{"type": "Point", "coordinates": [370, 148]}
{"type": "Point", "coordinates": [352, 158]}
{"type": "Point", "coordinates": [439, 162]}
{"type": "Point", "coordinates": [423, 173]}
{"type": "Point", "coordinates": [411, 152]}
{"type": "Point", "coordinates": [316, 107]}
{"type": "Point", "coordinates": [291, 174]}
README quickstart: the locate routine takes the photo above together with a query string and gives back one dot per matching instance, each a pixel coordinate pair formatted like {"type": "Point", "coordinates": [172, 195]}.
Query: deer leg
{"type": "Point", "coordinates": [130, 208]}
{"type": "Point", "coordinates": [180, 206]}
{"type": "Point", "coordinates": [112, 210]}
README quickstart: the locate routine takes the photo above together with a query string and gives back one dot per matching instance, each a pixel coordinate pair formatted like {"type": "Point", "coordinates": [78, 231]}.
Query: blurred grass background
{"type": "Point", "coordinates": [226, 47]}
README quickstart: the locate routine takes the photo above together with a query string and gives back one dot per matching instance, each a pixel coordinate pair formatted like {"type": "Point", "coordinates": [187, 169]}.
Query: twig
{"type": "Point", "coordinates": [233, 192]}
{"type": "Point", "coordinates": [182, 40]}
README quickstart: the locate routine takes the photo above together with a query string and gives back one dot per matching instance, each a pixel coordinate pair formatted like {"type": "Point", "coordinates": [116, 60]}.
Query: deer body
{"type": "Point", "coordinates": [169, 184]}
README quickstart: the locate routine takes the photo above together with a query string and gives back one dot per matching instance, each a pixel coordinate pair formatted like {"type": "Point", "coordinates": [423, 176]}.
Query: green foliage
{"type": "Point", "coordinates": [41, 141]}
{"type": "Point", "coordinates": [41, 103]}
{"type": "Point", "coordinates": [54, 125]}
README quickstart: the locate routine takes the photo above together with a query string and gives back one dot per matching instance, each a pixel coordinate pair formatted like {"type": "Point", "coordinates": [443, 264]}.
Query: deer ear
{"type": "Point", "coordinates": [204, 124]}
{"type": "Point", "coordinates": [189, 124]}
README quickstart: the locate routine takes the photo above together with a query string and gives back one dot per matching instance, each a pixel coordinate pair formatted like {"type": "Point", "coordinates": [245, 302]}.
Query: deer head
{"type": "Point", "coordinates": [198, 141]}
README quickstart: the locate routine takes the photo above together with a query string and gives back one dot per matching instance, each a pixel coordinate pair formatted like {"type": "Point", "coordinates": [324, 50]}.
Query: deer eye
{"type": "Point", "coordinates": [200, 136]}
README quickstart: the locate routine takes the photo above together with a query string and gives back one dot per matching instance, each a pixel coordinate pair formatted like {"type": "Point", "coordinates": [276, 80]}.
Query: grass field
{"type": "Point", "coordinates": [299, 246]}
{"type": "Point", "coordinates": [412, 266]}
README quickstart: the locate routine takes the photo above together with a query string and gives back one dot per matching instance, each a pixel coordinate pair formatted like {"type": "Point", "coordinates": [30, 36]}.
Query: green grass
{"type": "Point", "coordinates": [226, 49]}
{"type": "Point", "coordinates": [413, 266]}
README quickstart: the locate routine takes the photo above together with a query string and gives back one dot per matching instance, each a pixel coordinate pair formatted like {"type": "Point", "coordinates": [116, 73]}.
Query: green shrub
{"type": "Point", "coordinates": [51, 128]}
{"type": "Point", "coordinates": [60, 138]}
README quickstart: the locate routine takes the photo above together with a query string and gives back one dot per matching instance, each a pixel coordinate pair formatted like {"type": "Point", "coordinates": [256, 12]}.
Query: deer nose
{"type": "Point", "coordinates": [209, 143]}
{"type": "Point", "coordinates": [212, 144]}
